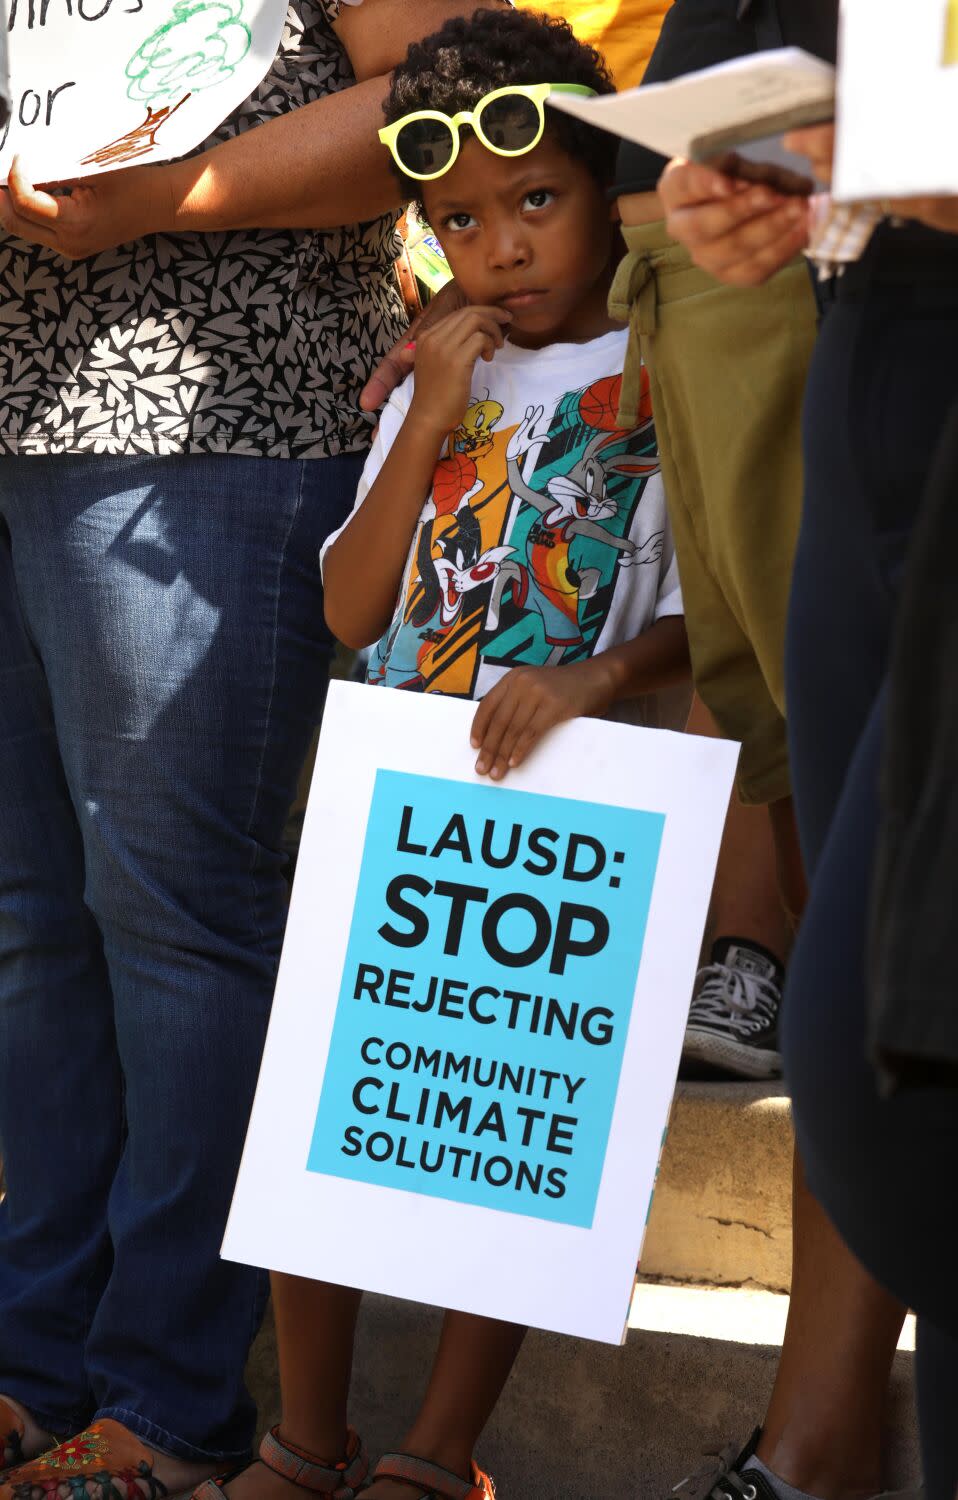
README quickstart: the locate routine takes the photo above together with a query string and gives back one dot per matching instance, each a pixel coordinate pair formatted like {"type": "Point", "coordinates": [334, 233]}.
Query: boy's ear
{"type": "Point", "coordinates": [634, 468]}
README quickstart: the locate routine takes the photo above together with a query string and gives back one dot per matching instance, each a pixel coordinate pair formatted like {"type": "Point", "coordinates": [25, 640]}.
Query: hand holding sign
{"type": "Point", "coordinates": [528, 702]}
{"type": "Point", "coordinates": [91, 217]}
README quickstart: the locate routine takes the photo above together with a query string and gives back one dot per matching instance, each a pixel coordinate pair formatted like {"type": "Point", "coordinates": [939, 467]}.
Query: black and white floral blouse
{"type": "Point", "coordinates": [256, 341]}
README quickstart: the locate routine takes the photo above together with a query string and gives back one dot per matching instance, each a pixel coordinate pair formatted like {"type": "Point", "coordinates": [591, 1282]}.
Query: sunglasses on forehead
{"type": "Point", "coordinates": [509, 121]}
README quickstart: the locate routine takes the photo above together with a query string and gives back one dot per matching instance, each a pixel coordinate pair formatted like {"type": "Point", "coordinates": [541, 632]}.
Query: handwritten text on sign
{"type": "Point", "coordinates": [486, 995]}
{"type": "Point", "coordinates": [101, 84]}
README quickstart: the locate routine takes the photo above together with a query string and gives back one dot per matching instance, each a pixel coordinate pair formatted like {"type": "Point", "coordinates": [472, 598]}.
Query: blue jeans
{"type": "Point", "coordinates": [163, 660]}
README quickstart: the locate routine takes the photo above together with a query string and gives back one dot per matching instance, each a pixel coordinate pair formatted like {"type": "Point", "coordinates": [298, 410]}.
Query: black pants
{"type": "Point", "coordinates": [884, 375]}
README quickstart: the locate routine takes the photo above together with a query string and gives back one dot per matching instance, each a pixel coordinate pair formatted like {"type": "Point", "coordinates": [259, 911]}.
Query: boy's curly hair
{"type": "Point", "coordinates": [469, 57]}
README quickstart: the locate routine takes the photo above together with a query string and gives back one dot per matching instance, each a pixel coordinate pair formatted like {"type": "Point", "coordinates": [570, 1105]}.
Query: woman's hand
{"type": "Point", "coordinates": [396, 365]}
{"type": "Point", "coordinates": [95, 215]}
{"type": "Point", "coordinates": [446, 355]}
{"type": "Point", "coordinates": [526, 703]}
{"type": "Point", "coordinates": [740, 233]}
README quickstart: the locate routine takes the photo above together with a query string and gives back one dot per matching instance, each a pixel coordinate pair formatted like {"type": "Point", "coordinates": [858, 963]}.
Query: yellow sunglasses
{"type": "Point", "coordinates": [510, 121]}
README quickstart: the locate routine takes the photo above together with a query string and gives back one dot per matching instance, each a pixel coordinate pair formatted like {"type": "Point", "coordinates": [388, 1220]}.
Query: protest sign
{"type": "Point", "coordinates": [480, 1010]}
{"type": "Point", "coordinates": [897, 99]}
{"type": "Point", "coordinates": [100, 84]}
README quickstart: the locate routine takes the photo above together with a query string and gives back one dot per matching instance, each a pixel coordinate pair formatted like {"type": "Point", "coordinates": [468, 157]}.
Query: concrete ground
{"type": "Point", "coordinates": [583, 1421]}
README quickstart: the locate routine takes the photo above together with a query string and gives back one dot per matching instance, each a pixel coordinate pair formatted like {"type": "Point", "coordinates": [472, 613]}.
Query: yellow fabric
{"type": "Point", "coordinates": [625, 31]}
{"type": "Point", "coordinates": [951, 34]}
{"type": "Point", "coordinates": [727, 369]}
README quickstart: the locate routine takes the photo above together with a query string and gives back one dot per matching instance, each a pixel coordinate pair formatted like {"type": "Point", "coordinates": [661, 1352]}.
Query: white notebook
{"type": "Point", "coordinates": [718, 108]}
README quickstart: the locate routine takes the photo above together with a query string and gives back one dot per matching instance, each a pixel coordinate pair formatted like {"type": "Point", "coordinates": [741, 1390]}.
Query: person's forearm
{"type": "Point", "coordinates": [316, 168]}
{"type": "Point", "coordinates": [656, 659]}
{"type": "Point", "coordinates": [363, 569]}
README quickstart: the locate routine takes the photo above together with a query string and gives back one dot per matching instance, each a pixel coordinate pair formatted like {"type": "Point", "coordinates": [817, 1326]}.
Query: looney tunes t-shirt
{"type": "Point", "coordinates": [544, 539]}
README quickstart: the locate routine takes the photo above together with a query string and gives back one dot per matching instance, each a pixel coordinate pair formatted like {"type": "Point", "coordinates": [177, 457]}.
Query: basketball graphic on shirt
{"type": "Point", "coordinates": [599, 405]}
{"type": "Point", "coordinates": [454, 477]}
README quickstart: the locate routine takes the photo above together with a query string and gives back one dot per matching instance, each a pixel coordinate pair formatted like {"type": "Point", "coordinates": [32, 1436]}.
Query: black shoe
{"type": "Point", "coordinates": [733, 1020]}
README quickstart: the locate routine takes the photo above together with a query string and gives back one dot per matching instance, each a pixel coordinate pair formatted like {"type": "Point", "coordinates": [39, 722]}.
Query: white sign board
{"type": "Point", "coordinates": [100, 84]}
{"type": "Point", "coordinates": [897, 99]}
{"type": "Point", "coordinates": [480, 1011]}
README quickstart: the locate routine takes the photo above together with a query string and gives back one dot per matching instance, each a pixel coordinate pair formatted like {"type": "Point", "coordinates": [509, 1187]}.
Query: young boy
{"type": "Point", "coordinates": [524, 535]}
{"type": "Point", "coordinates": [509, 541]}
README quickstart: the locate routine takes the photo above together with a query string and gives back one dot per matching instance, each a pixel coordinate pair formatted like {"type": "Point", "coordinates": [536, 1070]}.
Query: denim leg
{"type": "Point", "coordinates": [61, 1115]}
{"type": "Point", "coordinates": [177, 608]}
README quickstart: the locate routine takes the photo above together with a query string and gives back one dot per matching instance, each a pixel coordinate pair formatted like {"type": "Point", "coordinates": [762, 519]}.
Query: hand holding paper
{"type": "Point", "coordinates": [739, 233]}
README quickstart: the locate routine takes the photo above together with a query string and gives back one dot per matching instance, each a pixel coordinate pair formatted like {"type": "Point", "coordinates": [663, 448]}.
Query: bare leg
{"type": "Point", "coordinates": [792, 885]}
{"type": "Point", "coordinates": [746, 902]}
{"type": "Point", "coordinates": [315, 1328]}
{"type": "Point", "coordinates": [822, 1432]}
{"type": "Point", "coordinates": [472, 1365]}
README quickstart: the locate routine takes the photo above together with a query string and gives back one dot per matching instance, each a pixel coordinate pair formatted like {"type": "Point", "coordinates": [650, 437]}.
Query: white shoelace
{"type": "Point", "coordinates": [745, 1002]}
{"type": "Point", "coordinates": [717, 1476]}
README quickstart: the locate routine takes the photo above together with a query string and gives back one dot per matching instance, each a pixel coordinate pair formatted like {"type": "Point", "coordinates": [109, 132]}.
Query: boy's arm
{"type": "Point", "coordinates": [364, 565]}
{"type": "Point", "coordinates": [528, 701]}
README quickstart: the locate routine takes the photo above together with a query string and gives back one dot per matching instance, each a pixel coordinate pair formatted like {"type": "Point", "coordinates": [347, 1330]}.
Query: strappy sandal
{"type": "Point", "coordinates": [339, 1481]}
{"type": "Point", "coordinates": [433, 1482]}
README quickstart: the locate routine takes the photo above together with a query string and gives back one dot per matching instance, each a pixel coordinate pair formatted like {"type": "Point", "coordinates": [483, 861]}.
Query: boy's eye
{"type": "Point", "coordinates": [459, 221]}
{"type": "Point", "coordinates": [538, 198]}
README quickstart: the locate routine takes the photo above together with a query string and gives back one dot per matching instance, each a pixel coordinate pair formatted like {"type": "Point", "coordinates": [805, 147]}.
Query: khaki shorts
{"type": "Point", "coordinates": [727, 368]}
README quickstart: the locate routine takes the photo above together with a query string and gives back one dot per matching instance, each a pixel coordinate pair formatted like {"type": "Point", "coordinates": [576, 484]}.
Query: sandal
{"type": "Point", "coordinates": [339, 1481]}
{"type": "Point", "coordinates": [433, 1482]}
{"type": "Point", "coordinates": [104, 1462]}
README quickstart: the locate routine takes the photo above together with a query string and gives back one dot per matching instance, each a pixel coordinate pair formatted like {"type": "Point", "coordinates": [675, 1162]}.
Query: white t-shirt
{"type": "Point", "coordinates": [544, 539]}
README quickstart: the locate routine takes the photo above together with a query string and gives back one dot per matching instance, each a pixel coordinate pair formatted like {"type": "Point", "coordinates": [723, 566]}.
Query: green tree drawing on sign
{"type": "Point", "coordinates": [199, 46]}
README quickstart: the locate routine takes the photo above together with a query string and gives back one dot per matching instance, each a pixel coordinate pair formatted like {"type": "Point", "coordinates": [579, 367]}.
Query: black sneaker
{"type": "Point", "coordinates": [733, 1020]}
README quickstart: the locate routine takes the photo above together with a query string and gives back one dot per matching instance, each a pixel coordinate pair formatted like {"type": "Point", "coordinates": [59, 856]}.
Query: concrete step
{"type": "Point", "coordinates": [722, 1210]}
{"type": "Point", "coordinates": [695, 1372]}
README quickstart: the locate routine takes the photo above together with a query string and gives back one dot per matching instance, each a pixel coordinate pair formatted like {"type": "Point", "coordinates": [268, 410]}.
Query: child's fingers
{"type": "Point", "coordinates": [504, 712]}
{"type": "Point", "coordinates": [540, 725]}
{"type": "Point", "coordinates": [483, 715]}
{"type": "Point", "coordinates": [523, 713]}
{"type": "Point", "coordinates": [492, 735]}
{"type": "Point", "coordinates": [500, 314]}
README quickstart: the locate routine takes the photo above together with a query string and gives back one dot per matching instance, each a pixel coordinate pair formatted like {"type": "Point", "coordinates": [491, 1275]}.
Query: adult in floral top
{"type": "Point", "coordinates": [181, 352]}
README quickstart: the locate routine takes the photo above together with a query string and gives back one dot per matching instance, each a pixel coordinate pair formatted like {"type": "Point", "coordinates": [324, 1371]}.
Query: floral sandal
{"type": "Point", "coordinates": [339, 1481]}
{"type": "Point", "coordinates": [104, 1462]}
{"type": "Point", "coordinates": [433, 1482]}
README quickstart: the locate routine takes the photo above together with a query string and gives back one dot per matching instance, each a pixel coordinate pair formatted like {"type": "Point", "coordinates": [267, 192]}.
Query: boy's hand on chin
{"type": "Point", "coordinates": [529, 701]}
{"type": "Point", "coordinates": [396, 365]}
{"type": "Point", "coordinates": [446, 357]}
